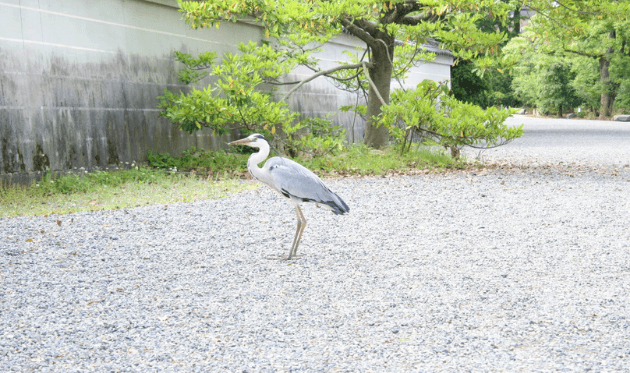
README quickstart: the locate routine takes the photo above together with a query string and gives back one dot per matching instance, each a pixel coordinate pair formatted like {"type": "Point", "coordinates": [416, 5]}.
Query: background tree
{"type": "Point", "coordinates": [620, 70]}
{"type": "Point", "coordinates": [556, 91]}
{"type": "Point", "coordinates": [493, 86]}
{"type": "Point", "coordinates": [526, 65]}
{"type": "Point", "coordinates": [468, 85]}
{"type": "Point", "coordinates": [586, 82]}
{"type": "Point", "coordinates": [549, 82]}
{"type": "Point", "coordinates": [392, 31]}
{"type": "Point", "coordinates": [595, 29]}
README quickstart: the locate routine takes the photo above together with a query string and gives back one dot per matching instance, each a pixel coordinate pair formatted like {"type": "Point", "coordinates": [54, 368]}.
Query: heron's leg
{"type": "Point", "coordinates": [301, 227]}
{"type": "Point", "coordinates": [301, 223]}
{"type": "Point", "coordinates": [297, 233]}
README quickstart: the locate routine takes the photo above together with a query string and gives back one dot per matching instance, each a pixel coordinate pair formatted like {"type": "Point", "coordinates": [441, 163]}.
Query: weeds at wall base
{"type": "Point", "coordinates": [199, 175]}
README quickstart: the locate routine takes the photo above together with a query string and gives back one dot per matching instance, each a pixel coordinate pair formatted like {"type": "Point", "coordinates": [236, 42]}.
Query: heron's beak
{"type": "Point", "coordinates": [244, 141]}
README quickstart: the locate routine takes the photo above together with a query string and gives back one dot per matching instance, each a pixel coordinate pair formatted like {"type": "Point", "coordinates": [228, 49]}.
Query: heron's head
{"type": "Point", "coordinates": [253, 140]}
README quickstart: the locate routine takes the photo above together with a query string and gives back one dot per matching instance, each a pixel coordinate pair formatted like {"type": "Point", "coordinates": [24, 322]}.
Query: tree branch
{"type": "Point", "coordinates": [575, 10]}
{"type": "Point", "coordinates": [414, 20]}
{"type": "Point", "coordinates": [400, 10]}
{"type": "Point", "coordinates": [564, 49]}
{"type": "Point", "coordinates": [345, 79]}
{"type": "Point", "coordinates": [326, 75]}
{"type": "Point", "coordinates": [358, 32]}
{"type": "Point", "coordinates": [460, 138]}
{"type": "Point", "coordinates": [583, 53]}
{"type": "Point", "coordinates": [542, 13]}
{"type": "Point", "coordinates": [282, 83]}
{"type": "Point", "coordinates": [370, 27]}
{"type": "Point", "coordinates": [324, 72]}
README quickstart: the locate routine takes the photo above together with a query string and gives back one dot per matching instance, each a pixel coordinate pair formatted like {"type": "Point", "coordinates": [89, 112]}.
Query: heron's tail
{"type": "Point", "coordinates": [338, 206]}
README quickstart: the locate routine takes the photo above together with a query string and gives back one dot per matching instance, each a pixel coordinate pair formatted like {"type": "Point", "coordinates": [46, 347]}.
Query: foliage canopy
{"type": "Point", "coordinates": [393, 32]}
{"type": "Point", "coordinates": [580, 33]}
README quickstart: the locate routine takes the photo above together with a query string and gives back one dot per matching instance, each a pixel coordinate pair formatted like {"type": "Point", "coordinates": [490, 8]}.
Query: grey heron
{"type": "Point", "coordinates": [291, 180]}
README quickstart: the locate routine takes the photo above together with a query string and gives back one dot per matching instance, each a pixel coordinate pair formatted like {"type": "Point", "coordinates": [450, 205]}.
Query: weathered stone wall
{"type": "Point", "coordinates": [79, 82]}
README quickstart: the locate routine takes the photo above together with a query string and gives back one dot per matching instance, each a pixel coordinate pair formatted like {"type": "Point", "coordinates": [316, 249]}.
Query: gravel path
{"type": "Point", "coordinates": [586, 143]}
{"type": "Point", "coordinates": [512, 269]}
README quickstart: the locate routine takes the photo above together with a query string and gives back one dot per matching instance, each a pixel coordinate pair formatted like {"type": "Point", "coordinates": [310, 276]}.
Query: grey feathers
{"type": "Point", "coordinates": [295, 181]}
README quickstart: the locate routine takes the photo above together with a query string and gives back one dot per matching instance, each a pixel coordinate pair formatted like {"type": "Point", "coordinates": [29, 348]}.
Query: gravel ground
{"type": "Point", "coordinates": [587, 143]}
{"type": "Point", "coordinates": [517, 268]}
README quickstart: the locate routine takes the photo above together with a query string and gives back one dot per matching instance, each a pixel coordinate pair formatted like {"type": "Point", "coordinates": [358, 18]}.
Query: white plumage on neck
{"type": "Point", "coordinates": [257, 158]}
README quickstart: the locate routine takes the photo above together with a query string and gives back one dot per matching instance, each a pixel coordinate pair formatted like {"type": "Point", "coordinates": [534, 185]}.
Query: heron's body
{"type": "Point", "coordinates": [291, 180]}
{"type": "Point", "coordinates": [297, 183]}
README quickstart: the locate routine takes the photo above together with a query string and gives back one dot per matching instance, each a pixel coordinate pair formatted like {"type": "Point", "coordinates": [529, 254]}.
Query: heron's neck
{"type": "Point", "coordinates": [255, 159]}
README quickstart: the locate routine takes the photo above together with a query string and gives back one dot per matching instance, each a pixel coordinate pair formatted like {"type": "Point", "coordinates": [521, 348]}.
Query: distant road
{"type": "Point", "coordinates": [550, 141]}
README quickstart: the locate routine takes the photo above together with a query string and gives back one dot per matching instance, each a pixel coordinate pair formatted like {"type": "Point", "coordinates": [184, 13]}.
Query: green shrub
{"type": "Point", "coordinates": [431, 113]}
{"type": "Point", "coordinates": [200, 160]}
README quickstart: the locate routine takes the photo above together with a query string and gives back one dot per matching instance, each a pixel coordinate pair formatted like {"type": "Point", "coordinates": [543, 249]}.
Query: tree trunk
{"type": "Point", "coordinates": [381, 74]}
{"type": "Point", "coordinates": [455, 152]}
{"type": "Point", "coordinates": [607, 98]}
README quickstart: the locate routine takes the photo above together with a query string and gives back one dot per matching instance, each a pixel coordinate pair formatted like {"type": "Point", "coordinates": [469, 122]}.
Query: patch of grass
{"type": "Point", "coordinates": [112, 190]}
{"type": "Point", "coordinates": [360, 160]}
{"type": "Point", "coordinates": [102, 190]}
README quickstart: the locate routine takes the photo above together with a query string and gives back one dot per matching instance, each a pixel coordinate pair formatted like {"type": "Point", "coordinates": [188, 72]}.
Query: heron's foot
{"type": "Point", "coordinates": [283, 257]}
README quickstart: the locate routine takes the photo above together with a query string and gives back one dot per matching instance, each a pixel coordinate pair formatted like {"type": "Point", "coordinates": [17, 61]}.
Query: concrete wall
{"type": "Point", "coordinates": [79, 82]}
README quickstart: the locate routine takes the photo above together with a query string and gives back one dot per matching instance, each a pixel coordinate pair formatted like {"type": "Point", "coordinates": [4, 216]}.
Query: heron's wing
{"type": "Point", "coordinates": [297, 182]}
